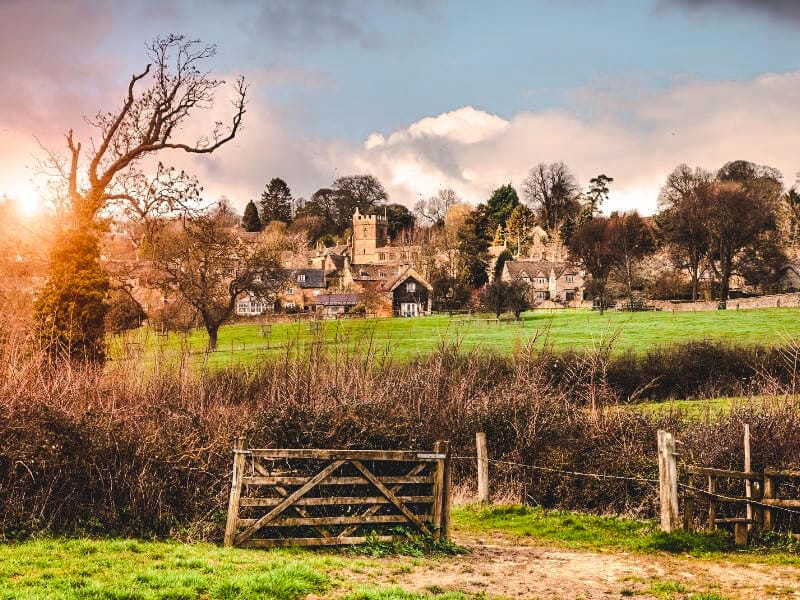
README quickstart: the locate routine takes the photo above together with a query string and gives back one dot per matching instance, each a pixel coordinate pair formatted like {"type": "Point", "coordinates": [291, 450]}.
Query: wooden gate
{"type": "Point", "coordinates": [297, 497]}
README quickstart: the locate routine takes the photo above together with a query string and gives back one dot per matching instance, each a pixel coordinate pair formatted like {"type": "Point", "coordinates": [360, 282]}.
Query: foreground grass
{"type": "Point", "coordinates": [147, 570]}
{"type": "Point", "coordinates": [405, 338]}
{"type": "Point", "coordinates": [593, 532]}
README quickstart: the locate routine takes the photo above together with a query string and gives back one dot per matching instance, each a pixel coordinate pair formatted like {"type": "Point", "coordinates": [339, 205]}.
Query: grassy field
{"type": "Point", "coordinates": [144, 570]}
{"type": "Point", "coordinates": [406, 338]}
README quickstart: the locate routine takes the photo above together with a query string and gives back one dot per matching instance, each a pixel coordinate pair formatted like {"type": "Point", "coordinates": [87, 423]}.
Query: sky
{"type": "Point", "coordinates": [425, 94]}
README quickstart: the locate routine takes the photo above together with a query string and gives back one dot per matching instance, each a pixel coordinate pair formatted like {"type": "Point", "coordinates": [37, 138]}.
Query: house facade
{"type": "Point", "coordinates": [556, 281]}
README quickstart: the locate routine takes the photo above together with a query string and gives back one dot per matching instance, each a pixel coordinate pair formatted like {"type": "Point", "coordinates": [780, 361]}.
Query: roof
{"type": "Point", "coordinates": [372, 272]}
{"type": "Point", "coordinates": [408, 273]}
{"type": "Point", "coordinates": [314, 278]}
{"type": "Point", "coordinates": [337, 299]}
{"type": "Point", "coordinates": [517, 268]}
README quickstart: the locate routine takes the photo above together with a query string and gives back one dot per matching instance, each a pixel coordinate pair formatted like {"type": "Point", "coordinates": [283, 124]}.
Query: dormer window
{"type": "Point", "coordinates": [411, 286]}
{"type": "Point", "coordinates": [541, 280]}
{"type": "Point", "coordinates": [301, 277]}
{"type": "Point", "coordinates": [569, 278]}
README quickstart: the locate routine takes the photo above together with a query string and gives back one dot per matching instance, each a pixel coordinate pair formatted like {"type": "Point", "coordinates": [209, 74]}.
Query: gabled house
{"type": "Point", "coordinates": [556, 281]}
{"type": "Point", "coordinates": [389, 290]}
{"type": "Point", "coordinates": [297, 290]}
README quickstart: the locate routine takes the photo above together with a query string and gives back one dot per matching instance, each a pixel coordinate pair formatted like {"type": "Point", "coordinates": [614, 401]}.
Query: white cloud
{"type": "Point", "coordinates": [637, 138]}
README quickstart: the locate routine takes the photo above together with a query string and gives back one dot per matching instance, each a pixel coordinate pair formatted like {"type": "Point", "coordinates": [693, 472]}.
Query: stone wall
{"type": "Point", "coordinates": [772, 301]}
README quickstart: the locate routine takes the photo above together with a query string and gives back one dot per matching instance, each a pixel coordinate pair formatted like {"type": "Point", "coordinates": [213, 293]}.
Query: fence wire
{"type": "Point", "coordinates": [649, 480]}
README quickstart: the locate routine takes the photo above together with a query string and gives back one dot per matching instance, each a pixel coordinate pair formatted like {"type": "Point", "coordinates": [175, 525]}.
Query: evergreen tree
{"type": "Point", "coordinates": [71, 309]}
{"type": "Point", "coordinates": [473, 243]}
{"type": "Point", "coordinates": [500, 205]}
{"type": "Point", "coordinates": [276, 202]}
{"type": "Point", "coordinates": [250, 220]}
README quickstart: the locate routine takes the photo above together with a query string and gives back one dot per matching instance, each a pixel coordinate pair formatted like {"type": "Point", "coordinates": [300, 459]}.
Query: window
{"type": "Point", "coordinates": [289, 305]}
{"type": "Point", "coordinates": [526, 279]}
{"type": "Point", "coordinates": [542, 295]}
{"type": "Point", "coordinates": [541, 280]}
{"type": "Point", "coordinates": [301, 277]}
{"type": "Point", "coordinates": [290, 291]}
{"type": "Point", "coordinates": [381, 274]}
{"type": "Point", "coordinates": [381, 255]}
{"type": "Point", "coordinates": [244, 307]}
{"type": "Point", "coordinates": [411, 286]}
{"type": "Point", "coordinates": [569, 278]}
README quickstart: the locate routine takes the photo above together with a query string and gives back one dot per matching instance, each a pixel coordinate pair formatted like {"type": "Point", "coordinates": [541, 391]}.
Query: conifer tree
{"type": "Point", "coordinates": [276, 202]}
{"type": "Point", "coordinates": [251, 221]}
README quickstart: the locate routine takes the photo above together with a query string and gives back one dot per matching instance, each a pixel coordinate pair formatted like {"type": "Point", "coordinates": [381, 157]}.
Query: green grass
{"type": "Point", "coordinates": [138, 570]}
{"type": "Point", "coordinates": [406, 338]}
{"type": "Point", "coordinates": [593, 532]}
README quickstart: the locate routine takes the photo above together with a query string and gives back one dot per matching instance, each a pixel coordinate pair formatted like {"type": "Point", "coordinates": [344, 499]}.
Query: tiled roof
{"type": "Point", "coordinates": [314, 278]}
{"type": "Point", "coordinates": [516, 268]}
{"type": "Point", "coordinates": [337, 299]}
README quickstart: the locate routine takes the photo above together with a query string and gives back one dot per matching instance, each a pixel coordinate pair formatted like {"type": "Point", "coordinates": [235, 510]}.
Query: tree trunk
{"type": "Point", "coordinates": [695, 277]}
{"type": "Point", "coordinates": [212, 337]}
{"type": "Point", "coordinates": [725, 283]}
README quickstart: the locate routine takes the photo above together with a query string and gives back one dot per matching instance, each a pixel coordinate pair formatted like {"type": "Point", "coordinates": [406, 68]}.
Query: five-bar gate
{"type": "Point", "coordinates": [312, 497]}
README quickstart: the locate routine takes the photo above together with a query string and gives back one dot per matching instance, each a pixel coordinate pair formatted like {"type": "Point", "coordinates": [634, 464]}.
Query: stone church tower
{"type": "Point", "coordinates": [369, 234]}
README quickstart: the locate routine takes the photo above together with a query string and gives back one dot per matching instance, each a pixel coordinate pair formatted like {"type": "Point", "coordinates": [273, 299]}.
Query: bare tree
{"type": "Point", "coordinates": [434, 209]}
{"type": "Point", "coordinates": [149, 121]}
{"type": "Point", "coordinates": [552, 192]}
{"type": "Point", "coordinates": [682, 220]}
{"type": "Point", "coordinates": [209, 265]}
{"type": "Point", "coordinates": [631, 239]}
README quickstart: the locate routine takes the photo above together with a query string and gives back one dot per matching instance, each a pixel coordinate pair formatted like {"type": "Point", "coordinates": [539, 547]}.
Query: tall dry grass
{"type": "Point", "coordinates": [118, 451]}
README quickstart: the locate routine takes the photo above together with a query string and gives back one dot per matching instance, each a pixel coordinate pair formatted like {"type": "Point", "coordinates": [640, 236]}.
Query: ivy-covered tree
{"type": "Point", "coordinates": [70, 311]}
{"type": "Point", "coordinates": [276, 202]}
{"type": "Point", "coordinates": [251, 221]}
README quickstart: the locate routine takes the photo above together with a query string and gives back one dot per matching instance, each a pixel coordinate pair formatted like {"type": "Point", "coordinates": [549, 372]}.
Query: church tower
{"type": "Point", "coordinates": [369, 234]}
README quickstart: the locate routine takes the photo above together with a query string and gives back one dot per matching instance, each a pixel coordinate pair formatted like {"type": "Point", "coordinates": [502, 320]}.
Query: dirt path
{"type": "Point", "coordinates": [499, 567]}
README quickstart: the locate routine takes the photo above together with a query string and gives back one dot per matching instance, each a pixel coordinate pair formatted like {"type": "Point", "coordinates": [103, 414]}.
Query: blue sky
{"type": "Point", "coordinates": [584, 81]}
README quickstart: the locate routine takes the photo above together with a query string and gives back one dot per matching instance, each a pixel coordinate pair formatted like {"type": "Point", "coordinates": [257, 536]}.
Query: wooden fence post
{"type": "Point", "coordinates": [236, 491]}
{"type": "Point", "coordinates": [667, 482]}
{"type": "Point", "coordinates": [445, 522]}
{"type": "Point", "coordinates": [483, 467]}
{"type": "Point", "coordinates": [438, 488]}
{"type": "Point", "coordinates": [748, 486]}
{"type": "Point", "coordinates": [769, 494]}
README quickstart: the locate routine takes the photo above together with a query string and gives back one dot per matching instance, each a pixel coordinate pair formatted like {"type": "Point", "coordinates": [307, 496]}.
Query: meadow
{"type": "Point", "coordinates": [404, 339]}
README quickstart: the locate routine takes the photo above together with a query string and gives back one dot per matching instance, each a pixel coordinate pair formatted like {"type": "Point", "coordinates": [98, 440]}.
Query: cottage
{"type": "Point", "coordinates": [546, 280]}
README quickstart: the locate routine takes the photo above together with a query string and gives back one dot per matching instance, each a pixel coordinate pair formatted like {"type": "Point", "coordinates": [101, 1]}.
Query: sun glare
{"type": "Point", "coordinates": [27, 200]}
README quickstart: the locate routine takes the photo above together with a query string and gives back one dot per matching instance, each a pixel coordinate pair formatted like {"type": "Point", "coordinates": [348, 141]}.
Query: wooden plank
{"type": "Point", "coordinates": [395, 489]}
{"type": "Point", "coordinates": [390, 495]}
{"type": "Point", "coordinates": [781, 473]}
{"type": "Point", "coordinates": [723, 473]}
{"type": "Point", "coordinates": [311, 453]}
{"type": "Point", "coordinates": [740, 534]}
{"type": "Point", "coordinates": [734, 520]}
{"type": "Point", "coordinates": [781, 502]}
{"type": "Point", "coordinates": [337, 541]}
{"type": "Point", "coordinates": [236, 491]}
{"type": "Point", "coordinates": [336, 500]}
{"type": "Point", "coordinates": [354, 520]}
{"type": "Point", "coordinates": [288, 501]}
{"type": "Point", "coordinates": [280, 480]}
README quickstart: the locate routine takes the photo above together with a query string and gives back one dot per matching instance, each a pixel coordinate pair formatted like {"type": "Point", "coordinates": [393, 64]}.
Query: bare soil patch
{"type": "Point", "coordinates": [503, 567]}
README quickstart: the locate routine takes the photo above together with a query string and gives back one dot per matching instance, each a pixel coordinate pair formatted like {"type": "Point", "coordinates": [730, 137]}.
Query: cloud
{"type": "Point", "coordinates": [333, 21]}
{"type": "Point", "coordinates": [637, 137]}
{"type": "Point", "coordinates": [782, 11]}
